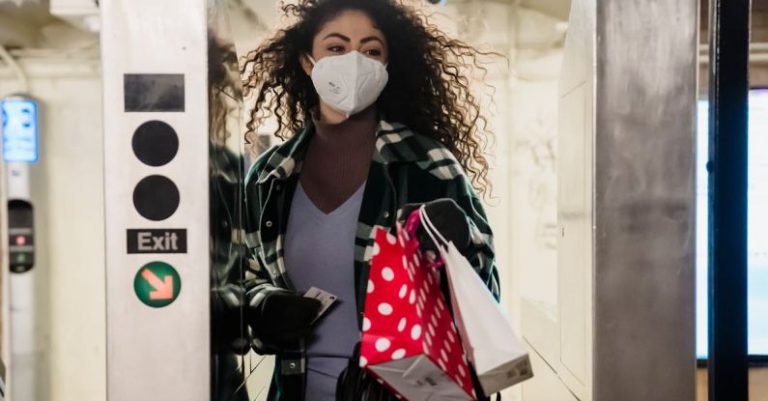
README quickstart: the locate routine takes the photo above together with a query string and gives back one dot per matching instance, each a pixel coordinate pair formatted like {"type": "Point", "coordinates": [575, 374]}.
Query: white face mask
{"type": "Point", "coordinates": [349, 83]}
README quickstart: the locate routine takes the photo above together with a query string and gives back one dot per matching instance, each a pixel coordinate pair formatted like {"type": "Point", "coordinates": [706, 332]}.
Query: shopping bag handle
{"type": "Point", "coordinates": [430, 228]}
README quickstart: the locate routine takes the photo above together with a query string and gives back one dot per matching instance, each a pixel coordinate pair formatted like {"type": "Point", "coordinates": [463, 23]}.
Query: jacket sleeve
{"type": "Point", "coordinates": [258, 285]}
{"type": "Point", "coordinates": [480, 253]}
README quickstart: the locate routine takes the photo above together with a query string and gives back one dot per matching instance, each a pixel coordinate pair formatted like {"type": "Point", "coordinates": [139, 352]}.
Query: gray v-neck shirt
{"type": "Point", "coordinates": [319, 252]}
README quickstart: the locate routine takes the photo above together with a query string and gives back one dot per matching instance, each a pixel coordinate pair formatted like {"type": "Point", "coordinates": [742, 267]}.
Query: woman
{"type": "Point", "coordinates": [379, 119]}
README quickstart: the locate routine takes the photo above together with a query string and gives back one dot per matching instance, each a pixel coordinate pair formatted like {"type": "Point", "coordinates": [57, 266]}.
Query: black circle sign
{"type": "Point", "coordinates": [155, 143]}
{"type": "Point", "coordinates": [156, 197]}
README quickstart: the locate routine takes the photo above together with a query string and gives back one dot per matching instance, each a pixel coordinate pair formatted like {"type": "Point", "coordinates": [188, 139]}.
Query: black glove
{"type": "Point", "coordinates": [283, 318]}
{"type": "Point", "coordinates": [229, 333]}
{"type": "Point", "coordinates": [448, 218]}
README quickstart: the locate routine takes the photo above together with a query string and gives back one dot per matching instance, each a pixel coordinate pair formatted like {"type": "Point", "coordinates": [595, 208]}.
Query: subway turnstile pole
{"type": "Point", "coordinates": [155, 71]}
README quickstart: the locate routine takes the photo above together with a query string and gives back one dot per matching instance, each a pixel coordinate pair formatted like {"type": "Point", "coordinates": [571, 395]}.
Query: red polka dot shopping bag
{"type": "Point", "coordinates": [409, 339]}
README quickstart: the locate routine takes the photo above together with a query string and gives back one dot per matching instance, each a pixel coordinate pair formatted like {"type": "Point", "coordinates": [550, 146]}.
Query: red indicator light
{"type": "Point", "coordinates": [21, 240]}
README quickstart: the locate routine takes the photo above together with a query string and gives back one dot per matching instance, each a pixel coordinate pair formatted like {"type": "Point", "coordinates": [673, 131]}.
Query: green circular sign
{"type": "Point", "coordinates": [157, 284]}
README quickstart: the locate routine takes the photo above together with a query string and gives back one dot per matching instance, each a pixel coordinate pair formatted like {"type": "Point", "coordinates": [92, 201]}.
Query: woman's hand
{"type": "Point", "coordinates": [283, 318]}
{"type": "Point", "coordinates": [449, 219]}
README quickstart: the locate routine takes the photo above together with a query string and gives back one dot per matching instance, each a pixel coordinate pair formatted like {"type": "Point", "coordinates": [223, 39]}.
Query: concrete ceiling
{"type": "Point", "coordinates": [21, 22]}
{"type": "Point", "coordinates": [555, 8]}
{"type": "Point", "coordinates": [29, 24]}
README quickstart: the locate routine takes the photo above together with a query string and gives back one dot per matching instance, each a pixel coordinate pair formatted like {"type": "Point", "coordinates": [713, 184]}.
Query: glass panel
{"type": "Point", "coordinates": [758, 217]}
{"type": "Point", "coordinates": [232, 360]}
{"type": "Point", "coordinates": [702, 248]}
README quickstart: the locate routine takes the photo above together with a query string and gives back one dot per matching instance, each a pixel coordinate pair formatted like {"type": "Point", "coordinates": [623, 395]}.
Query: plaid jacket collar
{"type": "Point", "coordinates": [389, 149]}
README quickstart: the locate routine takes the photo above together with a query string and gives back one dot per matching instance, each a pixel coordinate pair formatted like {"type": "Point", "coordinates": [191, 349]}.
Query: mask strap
{"type": "Point", "coordinates": [311, 59]}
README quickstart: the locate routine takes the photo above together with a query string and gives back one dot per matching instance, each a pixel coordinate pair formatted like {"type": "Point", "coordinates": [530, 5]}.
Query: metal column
{"type": "Point", "coordinates": [625, 312]}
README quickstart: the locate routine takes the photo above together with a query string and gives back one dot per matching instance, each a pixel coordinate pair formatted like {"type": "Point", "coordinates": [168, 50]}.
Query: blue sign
{"type": "Point", "coordinates": [19, 130]}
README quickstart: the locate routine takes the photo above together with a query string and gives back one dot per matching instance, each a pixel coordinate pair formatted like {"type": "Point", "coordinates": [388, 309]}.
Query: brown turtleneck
{"type": "Point", "coordinates": [338, 159]}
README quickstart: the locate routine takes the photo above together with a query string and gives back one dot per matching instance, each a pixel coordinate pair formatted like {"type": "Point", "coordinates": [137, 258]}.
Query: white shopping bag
{"type": "Point", "coordinates": [497, 354]}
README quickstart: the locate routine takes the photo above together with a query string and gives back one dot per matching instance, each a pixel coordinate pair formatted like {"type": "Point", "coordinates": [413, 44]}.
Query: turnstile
{"type": "Point", "coordinates": [174, 171]}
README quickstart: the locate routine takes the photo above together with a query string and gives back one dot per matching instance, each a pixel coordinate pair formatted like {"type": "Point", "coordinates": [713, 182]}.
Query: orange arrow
{"type": "Point", "coordinates": [163, 288]}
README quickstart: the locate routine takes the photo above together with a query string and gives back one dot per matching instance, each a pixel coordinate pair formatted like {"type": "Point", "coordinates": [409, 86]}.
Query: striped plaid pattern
{"type": "Point", "coordinates": [406, 168]}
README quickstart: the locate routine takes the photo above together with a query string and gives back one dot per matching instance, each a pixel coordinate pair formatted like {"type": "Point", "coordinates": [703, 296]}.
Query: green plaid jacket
{"type": "Point", "coordinates": [406, 168]}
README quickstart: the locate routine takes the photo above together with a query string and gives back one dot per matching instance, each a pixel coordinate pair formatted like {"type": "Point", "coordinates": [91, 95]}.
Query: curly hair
{"type": "Point", "coordinates": [429, 88]}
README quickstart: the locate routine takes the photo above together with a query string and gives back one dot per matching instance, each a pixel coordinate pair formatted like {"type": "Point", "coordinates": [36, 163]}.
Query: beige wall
{"type": "Point", "coordinates": [67, 192]}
